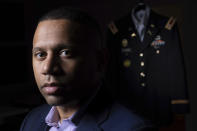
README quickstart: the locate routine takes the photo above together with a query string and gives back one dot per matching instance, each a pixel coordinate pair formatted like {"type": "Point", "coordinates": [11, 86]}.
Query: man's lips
{"type": "Point", "coordinates": [52, 88]}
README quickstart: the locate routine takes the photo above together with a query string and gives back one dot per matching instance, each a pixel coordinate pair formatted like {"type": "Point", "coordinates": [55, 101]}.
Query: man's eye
{"type": "Point", "coordinates": [40, 55]}
{"type": "Point", "coordinates": [65, 52]}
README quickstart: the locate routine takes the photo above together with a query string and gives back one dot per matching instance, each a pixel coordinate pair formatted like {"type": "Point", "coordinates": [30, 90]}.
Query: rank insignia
{"type": "Point", "coordinates": [127, 63]}
{"type": "Point", "coordinates": [157, 43]}
{"type": "Point", "coordinates": [170, 23]}
{"type": "Point", "coordinates": [113, 28]}
{"type": "Point", "coordinates": [124, 42]}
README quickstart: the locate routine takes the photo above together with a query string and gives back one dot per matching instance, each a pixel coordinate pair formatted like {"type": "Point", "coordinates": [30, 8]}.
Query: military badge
{"type": "Point", "coordinates": [127, 63]}
{"type": "Point", "coordinates": [124, 42]}
{"type": "Point", "coordinates": [157, 43]}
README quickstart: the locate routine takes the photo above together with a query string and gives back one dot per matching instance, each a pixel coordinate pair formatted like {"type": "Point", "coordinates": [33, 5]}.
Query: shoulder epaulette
{"type": "Point", "coordinates": [170, 23]}
{"type": "Point", "coordinates": [113, 27]}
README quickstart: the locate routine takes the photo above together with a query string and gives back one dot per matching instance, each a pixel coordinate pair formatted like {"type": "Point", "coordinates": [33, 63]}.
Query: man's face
{"type": "Point", "coordinates": [64, 61]}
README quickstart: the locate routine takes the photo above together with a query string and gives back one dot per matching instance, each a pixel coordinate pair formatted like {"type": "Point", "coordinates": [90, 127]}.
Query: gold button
{"type": "Point", "coordinates": [141, 54]}
{"type": "Point", "coordinates": [127, 63]}
{"type": "Point", "coordinates": [133, 35]}
{"type": "Point", "coordinates": [142, 63]}
{"type": "Point", "coordinates": [142, 74]}
{"type": "Point", "coordinates": [152, 25]}
{"type": "Point", "coordinates": [143, 84]}
{"type": "Point", "coordinates": [157, 51]}
{"type": "Point", "coordinates": [124, 42]}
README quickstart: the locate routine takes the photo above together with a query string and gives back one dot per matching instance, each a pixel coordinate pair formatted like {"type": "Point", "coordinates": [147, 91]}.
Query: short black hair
{"type": "Point", "coordinates": [74, 15]}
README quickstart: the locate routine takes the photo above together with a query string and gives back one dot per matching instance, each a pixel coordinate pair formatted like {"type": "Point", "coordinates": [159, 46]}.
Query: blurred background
{"type": "Point", "coordinates": [19, 93]}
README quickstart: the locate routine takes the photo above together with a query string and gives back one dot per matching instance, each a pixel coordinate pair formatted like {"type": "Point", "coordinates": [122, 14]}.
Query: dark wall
{"type": "Point", "coordinates": [190, 47]}
{"type": "Point", "coordinates": [13, 52]}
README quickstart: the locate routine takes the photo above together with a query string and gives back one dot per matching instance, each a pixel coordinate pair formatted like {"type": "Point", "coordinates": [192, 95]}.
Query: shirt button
{"type": "Point", "coordinates": [142, 63]}
{"type": "Point", "coordinates": [142, 74]}
{"type": "Point", "coordinates": [141, 54]}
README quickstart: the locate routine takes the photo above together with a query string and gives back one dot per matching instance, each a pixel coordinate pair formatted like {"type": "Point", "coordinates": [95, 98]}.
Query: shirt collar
{"type": "Point", "coordinates": [52, 118]}
{"type": "Point", "coordinates": [143, 21]}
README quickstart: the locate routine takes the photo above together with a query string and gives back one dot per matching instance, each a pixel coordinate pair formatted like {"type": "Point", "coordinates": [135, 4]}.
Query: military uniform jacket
{"type": "Point", "coordinates": [148, 76]}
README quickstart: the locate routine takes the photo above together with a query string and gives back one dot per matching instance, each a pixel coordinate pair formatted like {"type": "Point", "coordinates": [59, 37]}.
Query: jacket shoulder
{"type": "Point", "coordinates": [35, 118]}
{"type": "Point", "coordinates": [121, 118]}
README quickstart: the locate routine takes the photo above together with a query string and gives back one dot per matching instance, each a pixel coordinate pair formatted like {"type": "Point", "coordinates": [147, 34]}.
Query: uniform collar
{"type": "Point", "coordinates": [154, 26]}
{"type": "Point", "coordinates": [144, 20]}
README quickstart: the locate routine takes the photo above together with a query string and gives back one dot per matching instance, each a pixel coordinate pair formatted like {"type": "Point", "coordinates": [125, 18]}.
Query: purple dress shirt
{"type": "Point", "coordinates": [53, 120]}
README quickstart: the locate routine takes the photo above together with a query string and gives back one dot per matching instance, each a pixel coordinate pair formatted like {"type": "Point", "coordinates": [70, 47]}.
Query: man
{"type": "Point", "coordinates": [68, 64]}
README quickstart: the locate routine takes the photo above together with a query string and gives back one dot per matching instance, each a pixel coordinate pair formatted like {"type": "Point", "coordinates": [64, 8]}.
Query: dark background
{"type": "Point", "coordinates": [19, 93]}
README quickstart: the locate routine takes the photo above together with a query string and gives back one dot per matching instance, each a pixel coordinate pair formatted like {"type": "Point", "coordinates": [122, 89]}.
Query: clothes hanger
{"type": "Point", "coordinates": [140, 5]}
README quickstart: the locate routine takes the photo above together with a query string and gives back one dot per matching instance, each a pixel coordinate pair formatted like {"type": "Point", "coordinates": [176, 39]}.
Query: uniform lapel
{"type": "Point", "coordinates": [135, 43]}
{"type": "Point", "coordinates": [151, 30]}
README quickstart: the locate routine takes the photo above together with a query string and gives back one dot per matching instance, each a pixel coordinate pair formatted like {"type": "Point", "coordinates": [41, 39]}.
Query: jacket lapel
{"type": "Point", "coordinates": [93, 121]}
{"type": "Point", "coordinates": [88, 123]}
{"type": "Point", "coordinates": [43, 126]}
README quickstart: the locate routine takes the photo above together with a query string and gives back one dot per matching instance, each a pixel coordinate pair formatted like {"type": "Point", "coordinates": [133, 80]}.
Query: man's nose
{"type": "Point", "coordinates": [51, 66]}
